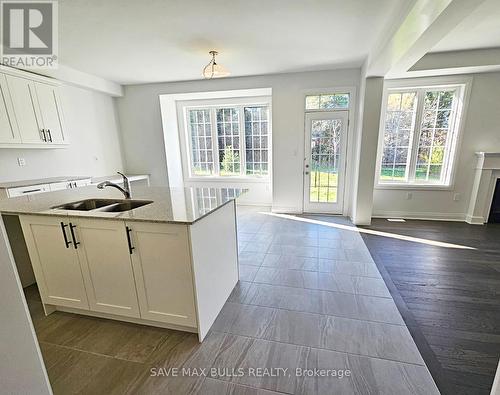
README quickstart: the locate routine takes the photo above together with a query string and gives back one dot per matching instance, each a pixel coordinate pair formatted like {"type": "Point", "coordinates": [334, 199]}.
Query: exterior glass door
{"type": "Point", "coordinates": [326, 140]}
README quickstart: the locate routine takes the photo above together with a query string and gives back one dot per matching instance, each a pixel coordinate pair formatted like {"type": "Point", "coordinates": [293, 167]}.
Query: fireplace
{"type": "Point", "coordinates": [494, 216]}
{"type": "Point", "coordinates": [485, 196]}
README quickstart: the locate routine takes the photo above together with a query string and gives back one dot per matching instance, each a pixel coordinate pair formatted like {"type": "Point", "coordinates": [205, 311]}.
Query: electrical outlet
{"type": "Point", "coordinates": [456, 197]}
{"type": "Point", "coordinates": [409, 195]}
{"type": "Point", "coordinates": [21, 162]}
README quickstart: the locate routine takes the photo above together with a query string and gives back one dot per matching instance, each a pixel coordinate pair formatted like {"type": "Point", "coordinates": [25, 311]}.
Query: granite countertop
{"type": "Point", "coordinates": [95, 180]}
{"type": "Point", "coordinates": [170, 205]}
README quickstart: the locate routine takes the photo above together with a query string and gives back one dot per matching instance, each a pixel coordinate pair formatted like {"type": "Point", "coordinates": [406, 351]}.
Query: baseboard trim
{"type": "Point", "coordinates": [286, 210]}
{"type": "Point", "coordinates": [427, 216]}
{"type": "Point", "coordinates": [474, 220]}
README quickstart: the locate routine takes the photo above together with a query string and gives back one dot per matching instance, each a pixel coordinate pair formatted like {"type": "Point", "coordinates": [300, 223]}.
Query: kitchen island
{"type": "Point", "coordinates": [168, 257]}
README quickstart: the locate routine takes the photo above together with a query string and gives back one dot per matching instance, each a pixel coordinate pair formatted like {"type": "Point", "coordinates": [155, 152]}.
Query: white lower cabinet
{"type": "Point", "coordinates": [55, 262]}
{"type": "Point", "coordinates": [162, 267]}
{"type": "Point", "coordinates": [134, 269]}
{"type": "Point", "coordinates": [104, 254]}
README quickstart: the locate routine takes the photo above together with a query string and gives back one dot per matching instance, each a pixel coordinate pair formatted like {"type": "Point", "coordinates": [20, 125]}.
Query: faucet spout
{"type": "Point", "coordinates": [126, 186]}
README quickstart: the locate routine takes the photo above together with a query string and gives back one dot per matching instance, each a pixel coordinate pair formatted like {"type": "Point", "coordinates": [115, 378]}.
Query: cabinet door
{"type": "Point", "coordinates": [162, 268]}
{"type": "Point", "coordinates": [22, 92]}
{"type": "Point", "coordinates": [107, 267]}
{"type": "Point", "coordinates": [51, 112]}
{"type": "Point", "coordinates": [9, 133]}
{"type": "Point", "coordinates": [55, 263]}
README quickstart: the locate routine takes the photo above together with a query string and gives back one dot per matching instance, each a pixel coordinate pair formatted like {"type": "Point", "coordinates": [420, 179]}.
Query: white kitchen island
{"type": "Point", "coordinates": [171, 262]}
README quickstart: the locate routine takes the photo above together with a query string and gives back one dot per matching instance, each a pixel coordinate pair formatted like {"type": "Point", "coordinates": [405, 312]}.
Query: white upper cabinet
{"type": "Point", "coordinates": [50, 112]}
{"type": "Point", "coordinates": [9, 133]}
{"type": "Point", "coordinates": [25, 102]}
{"type": "Point", "coordinates": [31, 114]}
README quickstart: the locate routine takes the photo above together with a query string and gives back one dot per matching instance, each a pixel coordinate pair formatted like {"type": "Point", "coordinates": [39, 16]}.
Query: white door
{"type": "Point", "coordinates": [55, 261]}
{"type": "Point", "coordinates": [324, 163]}
{"type": "Point", "coordinates": [50, 111]}
{"type": "Point", "coordinates": [162, 268]}
{"type": "Point", "coordinates": [25, 107]}
{"type": "Point", "coordinates": [107, 268]}
{"type": "Point", "coordinates": [9, 132]}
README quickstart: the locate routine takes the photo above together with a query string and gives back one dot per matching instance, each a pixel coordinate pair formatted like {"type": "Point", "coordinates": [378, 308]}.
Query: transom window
{"type": "Point", "coordinates": [333, 101]}
{"type": "Point", "coordinates": [229, 140]}
{"type": "Point", "coordinates": [419, 135]}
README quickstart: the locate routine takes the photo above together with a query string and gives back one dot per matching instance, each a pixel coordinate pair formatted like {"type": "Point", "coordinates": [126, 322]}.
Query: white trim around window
{"type": "Point", "coordinates": [412, 122]}
{"type": "Point", "coordinates": [238, 131]}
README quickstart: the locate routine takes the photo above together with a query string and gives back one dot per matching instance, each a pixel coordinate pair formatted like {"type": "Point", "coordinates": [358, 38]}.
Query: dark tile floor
{"type": "Point", "coordinates": [448, 297]}
{"type": "Point", "coordinates": [310, 300]}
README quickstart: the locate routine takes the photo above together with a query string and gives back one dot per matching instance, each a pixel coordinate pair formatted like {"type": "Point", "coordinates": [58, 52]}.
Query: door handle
{"type": "Point", "coordinates": [71, 229]}
{"type": "Point", "coordinates": [129, 240]}
{"type": "Point", "coordinates": [66, 241]}
{"type": "Point", "coordinates": [50, 135]}
{"type": "Point", "coordinates": [44, 136]}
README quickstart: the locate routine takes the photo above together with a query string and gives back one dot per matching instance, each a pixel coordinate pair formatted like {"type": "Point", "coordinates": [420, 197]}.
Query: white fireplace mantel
{"type": "Point", "coordinates": [487, 172]}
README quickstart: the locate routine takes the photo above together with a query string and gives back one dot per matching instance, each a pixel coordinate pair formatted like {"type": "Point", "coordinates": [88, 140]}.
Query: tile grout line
{"type": "Point", "coordinates": [329, 315]}
{"type": "Point", "coordinates": [90, 352]}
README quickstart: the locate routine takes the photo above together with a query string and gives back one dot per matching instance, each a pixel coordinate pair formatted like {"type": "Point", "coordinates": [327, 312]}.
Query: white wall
{"type": "Point", "coordinates": [21, 366]}
{"type": "Point", "coordinates": [481, 133]}
{"type": "Point", "coordinates": [94, 142]}
{"type": "Point", "coordinates": [142, 135]}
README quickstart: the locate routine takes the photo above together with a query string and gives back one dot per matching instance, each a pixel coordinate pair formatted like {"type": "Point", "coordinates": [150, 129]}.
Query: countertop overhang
{"type": "Point", "coordinates": [170, 205]}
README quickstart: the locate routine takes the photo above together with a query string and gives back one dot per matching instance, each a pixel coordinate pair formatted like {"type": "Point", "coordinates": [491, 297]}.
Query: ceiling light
{"type": "Point", "coordinates": [213, 69]}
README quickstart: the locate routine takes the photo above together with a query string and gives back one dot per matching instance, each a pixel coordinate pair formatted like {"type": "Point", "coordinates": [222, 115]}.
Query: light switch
{"type": "Point", "coordinates": [21, 162]}
{"type": "Point", "coordinates": [456, 197]}
{"type": "Point", "coordinates": [409, 195]}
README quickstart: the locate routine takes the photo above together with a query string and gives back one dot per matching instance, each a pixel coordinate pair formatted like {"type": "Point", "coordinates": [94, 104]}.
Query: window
{"type": "Point", "coordinates": [256, 137]}
{"type": "Point", "coordinates": [201, 142]}
{"type": "Point", "coordinates": [338, 101]}
{"type": "Point", "coordinates": [419, 135]}
{"type": "Point", "coordinates": [229, 140]}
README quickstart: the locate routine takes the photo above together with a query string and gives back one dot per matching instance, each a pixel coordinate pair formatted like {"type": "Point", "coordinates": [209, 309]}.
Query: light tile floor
{"type": "Point", "coordinates": [310, 297]}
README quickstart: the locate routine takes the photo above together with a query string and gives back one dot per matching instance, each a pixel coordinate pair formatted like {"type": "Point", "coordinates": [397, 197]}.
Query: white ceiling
{"type": "Point", "coordinates": [481, 29]}
{"type": "Point", "coordinates": [134, 41]}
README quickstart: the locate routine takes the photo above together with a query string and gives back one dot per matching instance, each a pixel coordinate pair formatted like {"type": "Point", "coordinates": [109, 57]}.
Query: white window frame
{"type": "Point", "coordinates": [185, 139]}
{"type": "Point", "coordinates": [463, 85]}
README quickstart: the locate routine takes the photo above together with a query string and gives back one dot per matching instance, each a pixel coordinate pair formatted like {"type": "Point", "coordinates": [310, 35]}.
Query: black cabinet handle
{"type": "Point", "coordinates": [44, 136]}
{"type": "Point", "coordinates": [130, 247]}
{"type": "Point", "coordinates": [71, 227]}
{"type": "Point", "coordinates": [50, 135]}
{"type": "Point", "coordinates": [66, 241]}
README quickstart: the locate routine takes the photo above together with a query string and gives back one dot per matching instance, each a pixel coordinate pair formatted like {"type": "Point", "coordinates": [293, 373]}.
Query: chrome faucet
{"type": "Point", "coordinates": [126, 185]}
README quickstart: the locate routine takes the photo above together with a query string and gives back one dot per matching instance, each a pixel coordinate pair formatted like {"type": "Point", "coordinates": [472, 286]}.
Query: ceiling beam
{"type": "Point", "coordinates": [457, 59]}
{"type": "Point", "coordinates": [427, 23]}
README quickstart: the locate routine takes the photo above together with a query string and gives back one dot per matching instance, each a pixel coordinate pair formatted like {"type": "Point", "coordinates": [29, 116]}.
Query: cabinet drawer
{"type": "Point", "coordinates": [28, 190]}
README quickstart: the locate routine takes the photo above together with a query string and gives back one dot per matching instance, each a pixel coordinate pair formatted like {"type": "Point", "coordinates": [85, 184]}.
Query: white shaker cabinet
{"type": "Point", "coordinates": [162, 267]}
{"type": "Point", "coordinates": [55, 261]}
{"type": "Point", "coordinates": [50, 111]}
{"type": "Point", "coordinates": [24, 101]}
{"type": "Point", "coordinates": [104, 253]}
{"type": "Point", "coordinates": [34, 113]}
{"type": "Point", "coordinates": [9, 133]}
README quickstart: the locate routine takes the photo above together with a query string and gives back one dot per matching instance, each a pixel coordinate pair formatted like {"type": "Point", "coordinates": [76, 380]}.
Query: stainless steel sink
{"type": "Point", "coordinates": [124, 205]}
{"type": "Point", "coordinates": [108, 205]}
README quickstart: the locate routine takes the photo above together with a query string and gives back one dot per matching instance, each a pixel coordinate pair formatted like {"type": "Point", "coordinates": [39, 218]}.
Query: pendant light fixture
{"type": "Point", "coordinates": [213, 69]}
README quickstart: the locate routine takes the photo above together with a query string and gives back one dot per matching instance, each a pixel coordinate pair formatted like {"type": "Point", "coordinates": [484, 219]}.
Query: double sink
{"type": "Point", "coordinates": [104, 205]}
